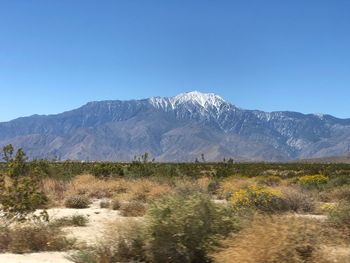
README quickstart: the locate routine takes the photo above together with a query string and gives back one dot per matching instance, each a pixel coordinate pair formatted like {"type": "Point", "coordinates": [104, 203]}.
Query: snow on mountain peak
{"type": "Point", "coordinates": [198, 98]}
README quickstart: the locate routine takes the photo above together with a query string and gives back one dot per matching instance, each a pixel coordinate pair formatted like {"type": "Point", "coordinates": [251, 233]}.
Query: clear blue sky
{"type": "Point", "coordinates": [262, 54]}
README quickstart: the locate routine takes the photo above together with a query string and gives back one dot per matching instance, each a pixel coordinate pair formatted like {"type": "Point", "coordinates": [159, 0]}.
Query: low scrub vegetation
{"type": "Point", "coordinates": [75, 220]}
{"type": "Point", "coordinates": [340, 214]}
{"type": "Point", "coordinates": [33, 238]}
{"type": "Point", "coordinates": [313, 181]}
{"type": "Point", "coordinates": [132, 209]}
{"type": "Point", "coordinates": [183, 228]}
{"type": "Point", "coordinates": [181, 212]}
{"type": "Point", "coordinates": [261, 198]}
{"type": "Point", "coordinates": [297, 200]}
{"type": "Point", "coordinates": [178, 228]}
{"type": "Point", "coordinates": [77, 201]}
{"type": "Point", "coordinates": [275, 239]}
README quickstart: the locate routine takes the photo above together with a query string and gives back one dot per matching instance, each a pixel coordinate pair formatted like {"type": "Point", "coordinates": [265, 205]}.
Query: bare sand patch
{"type": "Point", "coordinates": [42, 257]}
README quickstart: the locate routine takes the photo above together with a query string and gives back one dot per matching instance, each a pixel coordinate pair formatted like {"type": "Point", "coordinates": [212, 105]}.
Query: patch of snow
{"type": "Point", "coordinates": [319, 115]}
{"type": "Point", "coordinates": [196, 98]}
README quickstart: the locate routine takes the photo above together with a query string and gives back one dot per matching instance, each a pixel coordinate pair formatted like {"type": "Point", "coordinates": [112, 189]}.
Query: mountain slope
{"type": "Point", "coordinates": [179, 128]}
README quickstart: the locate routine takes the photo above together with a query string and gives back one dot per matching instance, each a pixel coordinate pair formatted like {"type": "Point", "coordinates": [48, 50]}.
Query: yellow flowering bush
{"type": "Point", "coordinates": [313, 181]}
{"type": "Point", "coordinates": [328, 207]}
{"type": "Point", "coordinates": [259, 197]}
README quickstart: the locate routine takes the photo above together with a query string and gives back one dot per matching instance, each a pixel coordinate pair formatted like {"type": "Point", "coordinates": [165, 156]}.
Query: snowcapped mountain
{"type": "Point", "coordinates": [178, 128]}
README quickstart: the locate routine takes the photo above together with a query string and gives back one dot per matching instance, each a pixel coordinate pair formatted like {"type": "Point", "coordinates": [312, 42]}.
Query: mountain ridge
{"type": "Point", "coordinates": [178, 128]}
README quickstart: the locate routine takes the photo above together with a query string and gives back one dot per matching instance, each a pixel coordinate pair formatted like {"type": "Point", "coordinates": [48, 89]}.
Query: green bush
{"type": "Point", "coordinates": [339, 180]}
{"type": "Point", "coordinates": [77, 201]}
{"type": "Point", "coordinates": [107, 170]}
{"type": "Point", "coordinates": [182, 228]}
{"type": "Point", "coordinates": [75, 220]}
{"type": "Point", "coordinates": [340, 215]}
{"type": "Point", "coordinates": [20, 196]}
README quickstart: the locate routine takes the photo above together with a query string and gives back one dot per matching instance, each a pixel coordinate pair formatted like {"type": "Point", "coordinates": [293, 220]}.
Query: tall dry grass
{"type": "Point", "coordinates": [123, 189]}
{"type": "Point", "coordinates": [278, 239]}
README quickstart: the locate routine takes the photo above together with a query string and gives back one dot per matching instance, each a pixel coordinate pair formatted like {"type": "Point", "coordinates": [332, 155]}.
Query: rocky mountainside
{"type": "Point", "coordinates": [179, 128]}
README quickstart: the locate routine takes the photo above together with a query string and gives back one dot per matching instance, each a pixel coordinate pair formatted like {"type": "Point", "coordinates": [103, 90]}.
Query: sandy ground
{"type": "Point", "coordinates": [89, 234]}
{"type": "Point", "coordinates": [338, 254]}
{"type": "Point", "coordinates": [42, 257]}
{"type": "Point", "coordinates": [98, 219]}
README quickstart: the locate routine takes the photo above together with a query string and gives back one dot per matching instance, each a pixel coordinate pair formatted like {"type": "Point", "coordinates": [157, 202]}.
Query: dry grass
{"type": "Point", "coordinates": [297, 200]}
{"type": "Point", "coordinates": [124, 189]}
{"type": "Point", "coordinates": [93, 187]}
{"type": "Point", "coordinates": [122, 242]}
{"type": "Point", "coordinates": [32, 238]}
{"type": "Point", "coordinates": [133, 209]}
{"type": "Point", "coordinates": [337, 194]}
{"type": "Point", "coordinates": [277, 239]}
{"type": "Point", "coordinates": [124, 239]}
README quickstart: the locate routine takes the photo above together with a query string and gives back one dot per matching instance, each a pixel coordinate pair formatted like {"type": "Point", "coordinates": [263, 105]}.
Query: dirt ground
{"type": "Point", "coordinates": [89, 234]}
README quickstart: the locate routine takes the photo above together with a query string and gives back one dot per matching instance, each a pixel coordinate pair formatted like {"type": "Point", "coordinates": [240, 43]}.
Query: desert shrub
{"type": "Point", "coordinates": [75, 220]}
{"type": "Point", "coordinates": [54, 189]}
{"type": "Point", "coordinates": [139, 197]}
{"type": "Point", "coordinates": [258, 197]}
{"type": "Point", "coordinates": [297, 200]}
{"type": "Point", "coordinates": [122, 242]}
{"type": "Point", "coordinates": [115, 204]}
{"type": "Point", "coordinates": [145, 190]}
{"type": "Point", "coordinates": [5, 238]}
{"type": "Point", "coordinates": [339, 180]}
{"type": "Point", "coordinates": [340, 215]}
{"type": "Point", "coordinates": [33, 238]}
{"type": "Point", "coordinates": [77, 201]}
{"type": "Point", "coordinates": [105, 204]}
{"type": "Point", "coordinates": [79, 220]}
{"type": "Point", "coordinates": [232, 184]}
{"type": "Point", "coordinates": [107, 170]}
{"type": "Point", "coordinates": [339, 193]}
{"type": "Point", "coordinates": [94, 187]}
{"type": "Point", "coordinates": [133, 209]}
{"type": "Point", "coordinates": [274, 240]}
{"type": "Point", "coordinates": [20, 193]}
{"type": "Point", "coordinates": [271, 180]}
{"type": "Point", "coordinates": [313, 181]}
{"type": "Point", "coordinates": [328, 207]}
{"type": "Point", "coordinates": [85, 256]}
{"type": "Point", "coordinates": [213, 186]}
{"type": "Point", "coordinates": [182, 228]}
